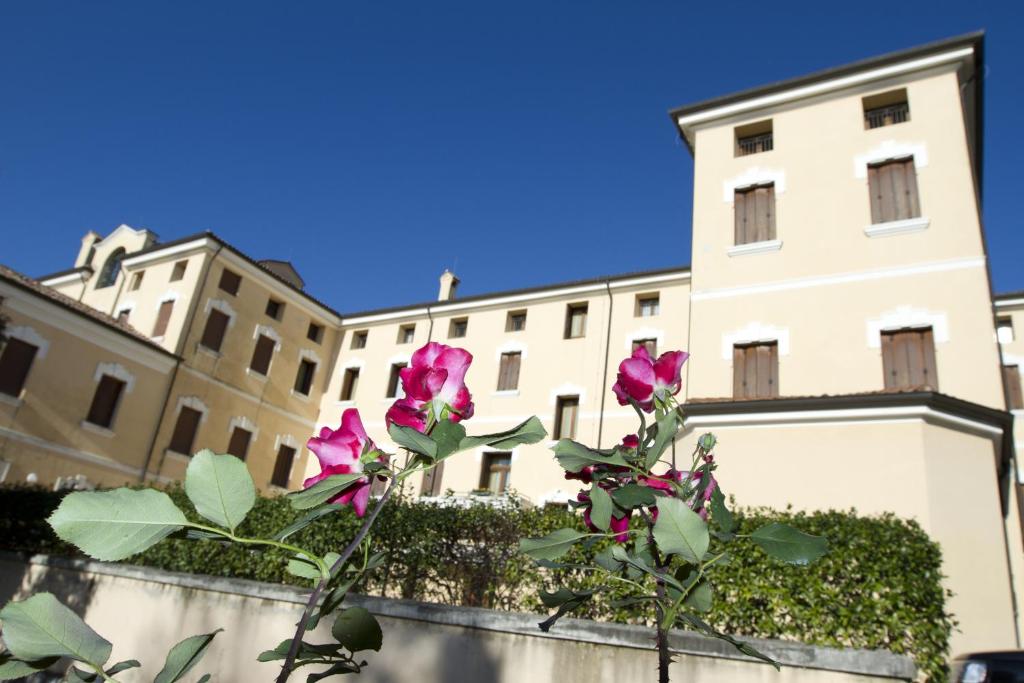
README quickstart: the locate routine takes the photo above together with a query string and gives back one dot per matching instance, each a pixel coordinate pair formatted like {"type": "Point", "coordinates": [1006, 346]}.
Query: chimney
{"type": "Point", "coordinates": [85, 254]}
{"type": "Point", "coordinates": [449, 283]}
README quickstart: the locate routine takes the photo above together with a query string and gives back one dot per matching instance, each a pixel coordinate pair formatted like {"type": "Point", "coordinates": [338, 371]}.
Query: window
{"type": "Point", "coordinates": [755, 370]}
{"type": "Point", "coordinates": [508, 371]}
{"type": "Point", "coordinates": [283, 466]}
{"type": "Point", "coordinates": [262, 354]}
{"type": "Point", "coordinates": [1004, 330]}
{"type": "Point", "coordinates": [495, 472]}
{"type": "Point", "coordinates": [406, 333]}
{"type": "Point", "coordinates": [179, 270]}
{"type": "Point", "coordinates": [754, 138]}
{"type": "Point", "coordinates": [315, 333]}
{"type": "Point", "coordinates": [1011, 383]}
{"type": "Point", "coordinates": [755, 214]}
{"type": "Point", "coordinates": [575, 321]}
{"type": "Point", "coordinates": [908, 359]}
{"type": "Point", "coordinates": [163, 317]}
{"type": "Point", "coordinates": [136, 281]}
{"type": "Point", "coordinates": [432, 480]}
{"type": "Point", "coordinates": [886, 109]}
{"type": "Point", "coordinates": [122, 315]}
{"type": "Point", "coordinates": [185, 429]}
{"type": "Point", "coordinates": [15, 362]}
{"type": "Point", "coordinates": [395, 380]}
{"type": "Point", "coordinates": [304, 378]}
{"type": "Point", "coordinates": [566, 413]}
{"type": "Point", "coordinates": [647, 305]}
{"type": "Point", "coordinates": [104, 401]}
{"type": "Point", "coordinates": [457, 327]}
{"type": "Point", "coordinates": [274, 309]}
{"type": "Point", "coordinates": [650, 344]}
{"type": "Point", "coordinates": [213, 333]}
{"type": "Point", "coordinates": [349, 384]}
{"type": "Point", "coordinates": [516, 321]}
{"type": "Point", "coordinates": [359, 339]}
{"type": "Point", "coordinates": [893, 187]}
{"type": "Point", "coordinates": [230, 282]}
{"type": "Point", "coordinates": [111, 269]}
{"type": "Point", "coordinates": [238, 445]}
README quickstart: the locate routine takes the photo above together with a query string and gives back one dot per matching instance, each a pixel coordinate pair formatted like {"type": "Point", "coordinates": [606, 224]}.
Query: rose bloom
{"type": "Point", "coordinates": [434, 380]}
{"type": "Point", "coordinates": [339, 451]}
{"type": "Point", "coordinates": [643, 379]}
{"type": "Point", "coordinates": [619, 525]}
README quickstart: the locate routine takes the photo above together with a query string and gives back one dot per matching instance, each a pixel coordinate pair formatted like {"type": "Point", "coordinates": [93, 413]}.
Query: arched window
{"type": "Point", "coordinates": [111, 269]}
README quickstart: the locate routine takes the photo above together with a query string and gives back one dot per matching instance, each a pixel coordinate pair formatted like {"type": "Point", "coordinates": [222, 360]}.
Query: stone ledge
{"type": "Point", "coordinates": [878, 663]}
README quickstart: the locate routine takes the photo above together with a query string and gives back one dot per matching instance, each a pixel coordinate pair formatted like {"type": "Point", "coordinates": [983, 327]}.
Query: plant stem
{"type": "Point", "coordinates": [664, 656]}
{"type": "Point", "coordinates": [314, 597]}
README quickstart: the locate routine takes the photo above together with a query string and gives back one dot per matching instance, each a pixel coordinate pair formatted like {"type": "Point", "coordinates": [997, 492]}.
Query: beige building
{"type": "Point", "coordinates": [838, 311]}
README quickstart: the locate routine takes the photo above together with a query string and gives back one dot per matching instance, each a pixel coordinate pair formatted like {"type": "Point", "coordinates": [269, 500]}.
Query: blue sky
{"type": "Point", "coordinates": [376, 143]}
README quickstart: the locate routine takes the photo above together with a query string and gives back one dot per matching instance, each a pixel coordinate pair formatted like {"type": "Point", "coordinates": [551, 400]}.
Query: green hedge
{"type": "Point", "coordinates": [878, 587]}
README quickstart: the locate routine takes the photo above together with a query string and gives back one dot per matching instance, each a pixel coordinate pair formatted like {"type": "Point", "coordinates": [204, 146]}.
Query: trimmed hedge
{"type": "Point", "coordinates": [877, 588]}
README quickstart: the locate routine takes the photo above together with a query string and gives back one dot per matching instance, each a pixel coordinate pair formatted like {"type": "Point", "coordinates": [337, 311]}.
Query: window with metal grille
{"type": "Point", "coordinates": [494, 474]}
{"type": "Point", "coordinates": [650, 344]}
{"type": "Point", "coordinates": [274, 309]}
{"type": "Point", "coordinates": [349, 384]}
{"type": "Point", "coordinates": [893, 187]}
{"type": "Point", "coordinates": [359, 339]}
{"type": "Point", "coordinates": [262, 355]}
{"type": "Point", "coordinates": [15, 362]}
{"type": "Point", "coordinates": [111, 269]}
{"type": "Point", "coordinates": [185, 430]}
{"type": "Point", "coordinates": [395, 381]}
{"type": "Point", "coordinates": [304, 377]}
{"type": "Point", "coordinates": [163, 317]}
{"type": "Point", "coordinates": [238, 444]}
{"type": "Point", "coordinates": [105, 401]}
{"type": "Point", "coordinates": [515, 321]}
{"type": "Point", "coordinates": [283, 466]}
{"type": "Point", "coordinates": [406, 334]}
{"type": "Point", "coordinates": [216, 327]}
{"type": "Point", "coordinates": [230, 281]}
{"type": "Point", "coordinates": [755, 214]}
{"type": "Point", "coordinates": [908, 359]}
{"type": "Point", "coordinates": [508, 371]}
{"type": "Point", "coordinates": [886, 109]}
{"type": "Point", "coordinates": [754, 138]}
{"type": "Point", "coordinates": [755, 370]}
{"type": "Point", "coordinates": [566, 414]}
{"type": "Point", "coordinates": [647, 305]}
{"type": "Point", "coordinates": [315, 333]}
{"type": "Point", "coordinates": [575, 321]}
{"type": "Point", "coordinates": [458, 327]}
{"type": "Point", "coordinates": [178, 272]}
{"type": "Point", "coordinates": [1011, 382]}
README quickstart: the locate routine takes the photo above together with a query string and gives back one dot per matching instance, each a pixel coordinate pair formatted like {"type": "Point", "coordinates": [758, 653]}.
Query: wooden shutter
{"type": "Point", "coordinates": [494, 474]}
{"type": "Point", "coordinates": [15, 362]}
{"type": "Point", "coordinates": [755, 214]}
{"type": "Point", "coordinates": [395, 379]}
{"type": "Point", "coordinates": [283, 466]}
{"type": "Point", "coordinates": [508, 372]}
{"type": "Point", "coordinates": [230, 282]}
{"type": "Point", "coordinates": [304, 377]}
{"type": "Point", "coordinates": [349, 384]}
{"type": "Point", "coordinates": [185, 430]}
{"type": "Point", "coordinates": [213, 333]}
{"type": "Point", "coordinates": [565, 417]}
{"type": "Point", "coordinates": [1011, 381]}
{"type": "Point", "coordinates": [432, 480]}
{"type": "Point", "coordinates": [893, 189]}
{"type": "Point", "coordinates": [238, 445]}
{"type": "Point", "coordinates": [104, 401]}
{"type": "Point", "coordinates": [262, 354]}
{"type": "Point", "coordinates": [755, 370]}
{"type": "Point", "coordinates": [163, 316]}
{"type": "Point", "coordinates": [908, 359]}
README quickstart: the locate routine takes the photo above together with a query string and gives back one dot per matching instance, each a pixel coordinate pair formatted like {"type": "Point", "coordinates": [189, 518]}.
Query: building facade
{"type": "Point", "coordinates": [846, 345]}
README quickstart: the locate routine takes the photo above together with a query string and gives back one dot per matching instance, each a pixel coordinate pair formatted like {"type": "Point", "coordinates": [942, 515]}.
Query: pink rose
{"type": "Point", "coordinates": [339, 451]}
{"type": "Point", "coordinates": [433, 382]}
{"type": "Point", "coordinates": [642, 379]}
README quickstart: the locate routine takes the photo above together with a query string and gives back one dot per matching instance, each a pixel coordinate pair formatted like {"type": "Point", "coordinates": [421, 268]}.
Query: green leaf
{"type": "Point", "coordinates": [633, 495]}
{"type": "Point", "coordinates": [605, 560]}
{"type": "Point", "coordinates": [91, 677]}
{"type": "Point", "coordinates": [123, 666]}
{"type": "Point", "coordinates": [566, 601]}
{"type": "Point", "coordinates": [526, 432]}
{"type": "Point", "coordinates": [112, 525]}
{"type": "Point", "coordinates": [357, 629]}
{"type": "Point", "coordinates": [640, 563]}
{"type": "Point", "coordinates": [791, 545]}
{"type": "Point", "coordinates": [668, 427]}
{"type": "Point", "coordinates": [680, 531]}
{"type": "Point", "coordinates": [11, 668]}
{"type": "Point", "coordinates": [414, 441]}
{"type": "Point", "coordinates": [322, 491]}
{"type": "Point", "coordinates": [220, 487]}
{"type": "Point", "coordinates": [305, 520]}
{"type": "Point", "coordinates": [306, 651]}
{"type": "Point", "coordinates": [302, 567]}
{"type": "Point", "coordinates": [699, 597]}
{"type": "Point", "coordinates": [336, 669]}
{"type": "Point", "coordinates": [600, 508]}
{"type": "Point", "coordinates": [41, 627]}
{"type": "Point", "coordinates": [720, 515]}
{"type": "Point", "coordinates": [740, 645]}
{"type": "Point", "coordinates": [573, 456]}
{"type": "Point", "coordinates": [448, 436]}
{"type": "Point", "coordinates": [184, 656]}
{"type": "Point", "coordinates": [552, 546]}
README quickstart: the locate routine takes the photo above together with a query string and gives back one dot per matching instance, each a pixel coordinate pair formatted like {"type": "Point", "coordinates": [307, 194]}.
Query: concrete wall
{"type": "Point", "coordinates": [422, 642]}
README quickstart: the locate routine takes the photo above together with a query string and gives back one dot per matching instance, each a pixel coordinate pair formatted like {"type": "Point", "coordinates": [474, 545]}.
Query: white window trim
{"type": "Point", "coordinates": [755, 175]}
{"type": "Point", "coordinates": [888, 150]}
{"type": "Point", "coordinates": [287, 440]}
{"type": "Point", "coordinates": [907, 316]}
{"type": "Point", "coordinates": [99, 429]}
{"type": "Point", "coordinates": [169, 295]}
{"type": "Point", "coordinates": [269, 332]}
{"type": "Point", "coordinates": [399, 358]}
{"type": "Point", "coordinates": [195, 403]}
{"type": "Point", "coordinates": [128, 306]}
{"type": "Point", "coordinates": [897, 227]}
{"type": "Point", "coordinates": [224, 307]}
{"type": "Point", "coordinates": [246, 424]}
{"type": "Point", "coordinates": [357, 363]}
{"type": "Point", "coordinates": [756, 333]}
{"type": "Point", "coordinates": [29, 335]}
{"type": "Point", "coordinates": [567, 389]}
{"type": "Point", "coordinates": [754, 248]}
{"type": "Point", "coordinates": [309, 354]}
{"type": "Point", "coordinates": [511, 346]}
{"type": "Point", "coordinates": [505, 393]}
{"type": "Point", "coordinates": [117, 371]}
{"type": "Point", "coordinates": [645, 333]}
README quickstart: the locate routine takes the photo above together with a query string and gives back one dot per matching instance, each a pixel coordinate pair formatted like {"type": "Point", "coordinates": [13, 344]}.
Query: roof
{"type": "Point", "coordinates": [26, 283]}
{"type": "Point", "coordinates": [1019, 294]}
{"type": "Point", "coordinates": [283, 269]}
{"type": "Point", "coordinates": [62, 273]}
